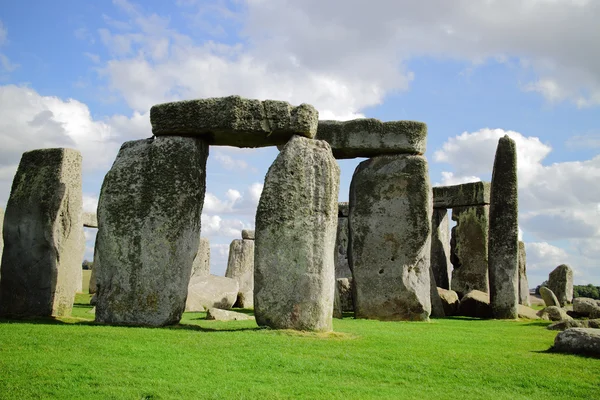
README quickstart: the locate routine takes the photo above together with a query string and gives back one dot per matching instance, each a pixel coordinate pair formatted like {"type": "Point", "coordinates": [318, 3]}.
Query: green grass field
{"type": "Point", "coordinates": [450, 358]}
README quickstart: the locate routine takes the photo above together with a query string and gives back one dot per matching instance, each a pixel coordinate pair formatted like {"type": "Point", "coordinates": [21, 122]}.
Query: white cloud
{"type": "Point", "coordinates": [90, 203]}
{"type": "Point", "coordinates": [449, 179]}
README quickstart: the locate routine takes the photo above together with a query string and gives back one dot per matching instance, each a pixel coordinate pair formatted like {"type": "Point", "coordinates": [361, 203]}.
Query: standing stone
{"type": "Point", "coordinates": [296, 220]}
{"type": "Point", "coordinates": [390, 238]}
{"type": "Point", "coordinates": [92, 288]}
{"type": "Point", "coordinates": [560, 282]}
{"type": "Point", "coordinates": [469, 247]}
{"type": "Point", "coordinates": [503, 258]}
{"type": "Point", "coordinates": [523, 284]}
{"type": "Point", "coordinates": [549, 297]}
{"type": "Point", "coordinates": [344, 288]}
{"type": "Point", "coordinates": [1, 236]}
{"type": "Point", "coordinates": [148, 229]}
{"type": "Point", "coordinates": [342, 267]}
{"type": "Point", "coordinates": [240, 267]}
{"type": "Point", "coordinates": [440, 248]}
{"type": "Point", "coordinates": [201, 265]}
{"type": "Point", "coordinates": [437, 308]}
{"type": "Point", "coordinates": [42, 232]}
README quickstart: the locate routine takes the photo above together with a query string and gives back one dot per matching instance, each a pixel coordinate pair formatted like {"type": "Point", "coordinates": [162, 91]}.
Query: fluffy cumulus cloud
{"type": "Point", "coordinates": [559, 204]}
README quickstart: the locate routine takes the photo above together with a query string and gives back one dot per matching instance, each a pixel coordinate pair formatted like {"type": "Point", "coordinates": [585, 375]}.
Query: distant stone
{"type": "Point", "coordinates": [503, 247]}
{"type": "Point", "coordinates": [201, 264]}
{"type": "Point", "coordinates": [578, 341]}
{"type": "Point", "coordinates": [449, 300]}
{"type": "Point", "coordinates": [343, 209]}
{"type": "Point", "coordinates": [149, 229]}
{"type": "Point", "coordinates": [94, 300]}
{"type": "Point", "coordinates": [342, 265]}
{"type": "Point", "coordinates": [536, 300]}
{"type": "Point", "coordinates": [523, 284]}
{"type": "Point", "coordinates": [217, 314]}
{"type": "Point", "coordinates": [90, 220]}
{"type": "Point", "coordinates": [475, 304]}
{"type": "Point", "coordinates": [437, 307]}
{"type": "Point", "coordinates": [248, 234]}
{"type": "Point", "coordinates": [344, 287]}
{"type": "Point", "coordinates": [440, 248]}
{"type": "Point", "coordinates": [527, 312]}
{"type": "Point", "coordinates": [574, 323]}
{"type": "Point", "coordinates": [587, 307]}
{"type": "Point", "coordinates": [469, 249]}
{"type": "Point", "coordinates": [549, 297]}
{"type": "Point", "coordinates": [296, 220]}
{"type": "Point", "coordinates": [369, 137]}
{"type": "Point", "coordinates": [92, 287]}
{"type": "Point", "coordinates": [561, 283]}
{"type": "Point", "coordinates": [235, 121]}
{"type": "Point", "coordinates": [554, 313]}
{"type": "Point", "coordinates": [463, 195]}
{"type": "Point", "coordinates": [390, 238]}
{"type": "Point", "coordinates": [337, 304]}
{"type": "Point", "coordinates": [43, 246]}
{"type": "Point", "coordinates": [211, 292]}
{"type": "Point", "coordinates": [240, 266]}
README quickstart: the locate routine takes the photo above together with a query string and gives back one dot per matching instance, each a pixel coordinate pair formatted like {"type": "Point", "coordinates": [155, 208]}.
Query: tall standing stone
{"type": "Point", "coordinates": [503, 258]}
{"type": "Point", "coordinates": [523, 284]}
{"type": "Point", "coordinates": [390, 238]}
{"type": "Point", "coordinates": [560, 281]}
{"type": "Point", "coordinates": [342, 267]}
{"type": "Point", "coordinates": [1, 237]}
{"type": "Point", "coordinates": [201, 264]}
{"type": "Point", "coordinates": [469, 249]}
{"type": "Point", "coordinates": [148, 229]}
{"type": "Point", "coordinates": [440, 248]}
{"type": "Point", "coordinates": [240, 267]}
{"type": "Point", "coordinates": [42, 232]}
{"type": "Point", "coordinates": [296, 219]}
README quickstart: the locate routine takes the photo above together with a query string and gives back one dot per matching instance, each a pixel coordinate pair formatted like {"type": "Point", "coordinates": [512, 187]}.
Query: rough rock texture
{"type": "Point", "coordinates": [248, 234]}
{"type": "Point", "coordinates": [211, 291]}
{"type": "Point", "coordinates": [43, 250]}
{"type": "Point", "coordinates": [560, 282]}
{"type": "Point", "coordinates": [578, 341]}
{"type": "Point", "coordinates": [450, 302]}
{"type": "Point", "coordinates": [240, 267]}
{"type": "Point", "coordinates": [1, 235]}
{"type": "Point", "coordinates": [343, 209]}
{"type": "Point", "coordinates": [523, 284]}
{"type": "Point", "coordinates": [469, 249]}
{"type": "Point", "coordinates": [440, 248]}
{"type": "Point", "coordinates": [390, 238]}
{"type": "Point", "coordinates": [344, 288]}
{"type": "Point", "coordinates": [296, 219]}
{"type": "Point", "coordinates": [475, 304]}
{"type": "Point", "coordinates": [93, 288]}
{"type": "Point", "coordinates": [464, 195]}
{"type": "Point", "coordinates": [554, 313]}
{"type": "Point", "coordinates": [574, 323]}
{"type": "Point", "coordinates": [340, 257]}
{"type": "Point", "coordinates": [337, 304]}
{"type": "Point", "coordinates": [549, 297]}
{"type": "Point", "coordinates": [90, 220]}
{"type": "Point", "coordinates": [527, 312]}
{"type": "Point", "coordinates": [503, 247]}
{"type": "Point", "coordinates": [201, 264]}
{"type": "Point", "coordinates": [369, 137]}
{"type": "Point", "coordinates": [587, 307]}
{"type": "Point", "coordinates": [437, 307]}
{"type": "Point", "coordinates": [217, 314]}
{"type": "Point", "coordinates": [235, 121]}
{"type": "Point", "coordinates": [149, 224]}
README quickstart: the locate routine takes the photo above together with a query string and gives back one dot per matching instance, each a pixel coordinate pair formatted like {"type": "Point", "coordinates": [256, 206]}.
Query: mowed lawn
{"type": "Point", "coordinates": [445, 359]}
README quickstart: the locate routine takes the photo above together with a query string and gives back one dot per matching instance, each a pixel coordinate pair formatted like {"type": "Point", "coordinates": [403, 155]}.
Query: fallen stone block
{"type": "Point", "coordinates": [554, 313]}
{"type": "Point", "coordinates": [463, 195]}
{"type": "Point", "coordinates": [549, 297]}
{"type": "Point", "coordinates": [211, 292]}
{"type": "Point", "coordinates": [216, 314]}
{"type": "Point", "coordinates": [475, 304]}
{"type": "Point", "coordinates": [450, 301]}
{"type": "Point", "coordinates": [574, 323]}
{"type": "Point", "coordinates": [587, 307]}
{"type": "Point", "coordinates": [527, 312]}
{"type": "Point", "coordinates": [578, 341]}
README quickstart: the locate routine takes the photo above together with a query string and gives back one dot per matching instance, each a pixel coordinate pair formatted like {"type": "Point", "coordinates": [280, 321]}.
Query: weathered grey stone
{"type": "Point", "coordinates": [475, 304]}
{"type": "Point", "coordinates": [93, 288]}
{"type": "Point", "coordinates": [217, 314]}
{"type": "Point", "coordinates": [343, 209]}
{"type": "Point", "coordinates": [549, 297]}
{"type": "Point", "coordinates": [437, 308]}
{"type": "Point", "coordinates": [201, 264]}
{"type": "Point", "coordinates": [1, 236]}
{"type": "Point", "coordinates": [149, 224]}
{"type": "Point", "coordinates": [578, 341]}
{"type": "Point", "coordinates": [240, 267]}
{"type": "Point", "coordinates": [560, 281]}
{"type": "Point", "coordinates": [463, 195]}
{"type": "Point", "coordinates": [344, 288]}
{"type": "Point", "coordinates": [235, 121]}
{"type": "Point", "coordinates": [211, 292]}
{"type": "Point", "coordinates": [337, 304]}
{"type": "Point", "coordinates": [574, 323]}
{"type": "Point", "coordinates": [342, 265]}
{"type": "Point", "coordinates": [295, 238]}
{"type": "Point", "coordinates": [43, 250]}
{"type": "Point", "coordinates": [449, 299]}
{"type": "Point", "coordinates": [469, 249]}
{"type": "Point", "coordinates": [587, 307]}
{"type": "Point", "coordinates": [527, 312]}
{"type": "Point", "coordinates": [390, 238]}
{"type": "Point", "coordinates": [554, 313]}
{"type": "Point", "coordinates": [440, 248]}
{"type": "Point", "coordinates": [523, 284]}
{"type": "Point", "coordinates": [503, 247]}
{"type": "Point", "coordinates": [248, 234]}
{"type": "Point", "coordinates": [369, 137]}
{"type": "Point", "coordinates": [90, 220]}
{"type": "Point", "coordinates": [94, 300]}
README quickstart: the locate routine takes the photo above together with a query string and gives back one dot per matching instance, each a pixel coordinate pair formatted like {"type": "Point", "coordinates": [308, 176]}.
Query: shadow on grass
{"type": "Point", "coordinates": [552, 350]}
{"type": "Point", "coordinates": [205, 329]}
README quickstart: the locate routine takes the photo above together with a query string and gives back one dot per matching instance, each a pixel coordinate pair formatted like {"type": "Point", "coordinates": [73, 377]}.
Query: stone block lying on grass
{"type": "Point", "coordinates": [549, 297]}
{"type": "Point", "coordinates": [211, 292]}
{"type": "Point", "coordinates": [217, 314]}
{"type": "Point", "coordinates": [578, 341]}
{"type": "Point", "coordinates": [527, 312]}
{"type": "Point", "coordinates": [587, 307]}
{"type": "Point", "coordinates": [554, 313]}
{"type": "Point", "coordinates": [475, 304]}
{"type": "Point", "coordinates": [450, 301]}
{"type": "Point", "coordinates": [574, 323]}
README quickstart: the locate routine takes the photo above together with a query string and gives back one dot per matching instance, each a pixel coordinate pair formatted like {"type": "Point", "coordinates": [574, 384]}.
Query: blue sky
{"type": "Point", "coordinates": [88, 72]}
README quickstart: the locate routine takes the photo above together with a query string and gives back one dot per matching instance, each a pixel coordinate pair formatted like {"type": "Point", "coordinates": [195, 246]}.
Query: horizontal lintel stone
{"type": "Point", "coordinates": [466, 194]}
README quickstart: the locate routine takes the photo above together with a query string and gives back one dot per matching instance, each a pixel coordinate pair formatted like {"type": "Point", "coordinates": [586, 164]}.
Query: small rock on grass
{"type": "Point", "coordinates": [216, 314]}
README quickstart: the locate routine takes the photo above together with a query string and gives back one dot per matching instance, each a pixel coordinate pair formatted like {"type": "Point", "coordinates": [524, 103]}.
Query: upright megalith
{"type": "Point", "coordinates": [1, 237]}
{"type": "Point", "coordinates": [42, 232]}
{"type": "Point", "coordinates": [523, 284]}
{"type": "Point", "coordinates": [560, 281]}
{"type": "Point", "coordinates": [503, 247]}
{"type": "Point", "coordinates": [240, 267]}
{"type": "Point", "coordinates": [342, 267]}
{"type": "Point", "coordinates": [295, 238]}
{"type": "Point", "coordinates": [201, 264]}
{"type": "Point", "coordinates": [148, 229]}
{"type": "Point", "coordinates": [440, 248]}
{"type": "Point", "coordinates": [390, 238]}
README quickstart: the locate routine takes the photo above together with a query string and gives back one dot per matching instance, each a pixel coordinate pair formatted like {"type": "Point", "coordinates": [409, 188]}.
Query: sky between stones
{"type": "Point", "coordinates": [85, 74]}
